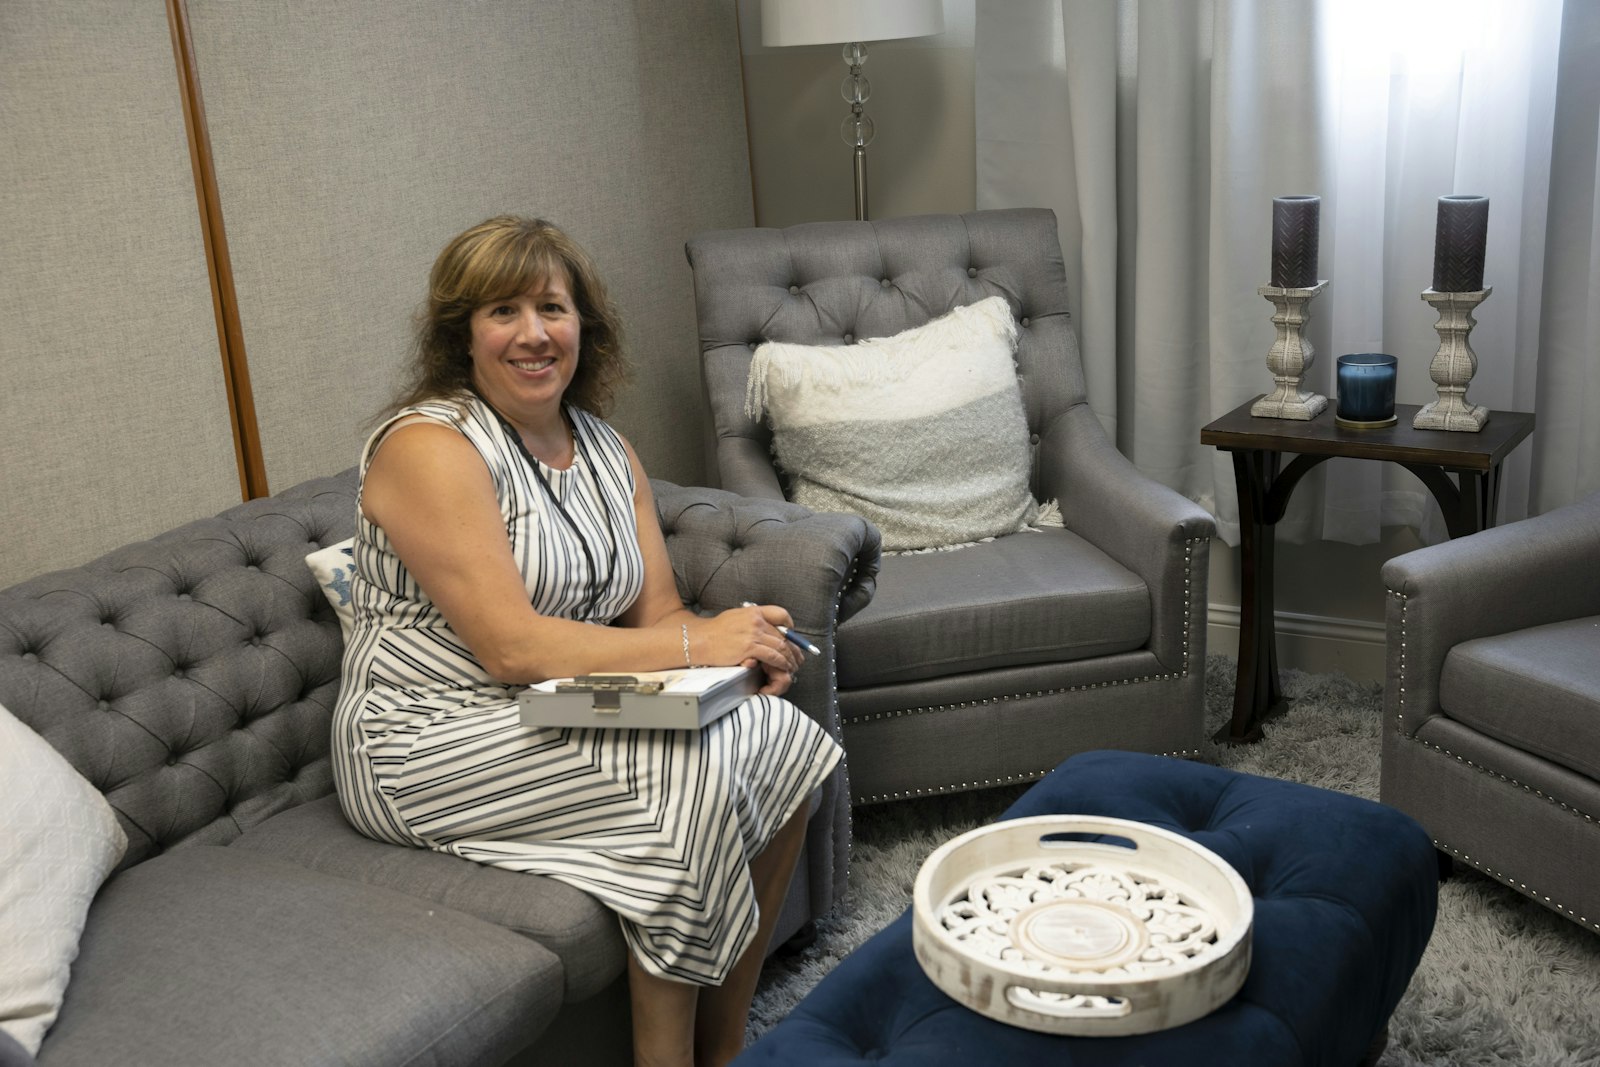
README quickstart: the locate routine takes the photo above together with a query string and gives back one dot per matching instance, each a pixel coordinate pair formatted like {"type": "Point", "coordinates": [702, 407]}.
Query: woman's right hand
{"type": "Point", "coordinates": [745, 636]}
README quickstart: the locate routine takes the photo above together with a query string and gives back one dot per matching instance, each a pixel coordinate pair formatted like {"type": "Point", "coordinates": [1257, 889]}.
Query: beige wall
{"type": "Point", "coordinates": [1330, 599]}
{"type": "Point", "coordinates": [345, 161]}
{"type": "Point", "coordinates": [113, 414]}
{"type": "Point", "coordinates": [351, 140]}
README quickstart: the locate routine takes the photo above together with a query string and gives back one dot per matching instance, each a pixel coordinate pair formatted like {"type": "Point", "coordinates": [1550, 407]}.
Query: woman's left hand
{"type": "Point", "coordinates": [777, 683]}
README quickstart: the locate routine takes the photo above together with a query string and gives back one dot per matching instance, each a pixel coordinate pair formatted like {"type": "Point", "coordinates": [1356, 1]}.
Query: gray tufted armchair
{"type": "Point", "coordinates": [992, 663]}
{"type": "Point", "coordinates": [1491, 728]}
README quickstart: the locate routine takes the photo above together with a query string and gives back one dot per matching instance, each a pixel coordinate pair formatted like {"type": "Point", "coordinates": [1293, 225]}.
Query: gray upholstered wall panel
{"type": "Point", "coordinates": [353, 139]}
{"type": "Point", "coordinates": [113, 420]}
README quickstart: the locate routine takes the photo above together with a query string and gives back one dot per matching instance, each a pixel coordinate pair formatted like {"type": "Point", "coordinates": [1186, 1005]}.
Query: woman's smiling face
{"type": "Point", "coordinates": [525, 350]}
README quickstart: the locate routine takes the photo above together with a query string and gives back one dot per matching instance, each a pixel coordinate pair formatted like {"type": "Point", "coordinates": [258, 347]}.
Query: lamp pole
{"type": "Point", "coordinates": [857, 130]}
{"type": "Point", "coordinates": [801, 22]}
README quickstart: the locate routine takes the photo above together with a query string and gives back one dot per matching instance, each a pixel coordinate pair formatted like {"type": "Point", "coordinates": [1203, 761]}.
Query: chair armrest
{"type": "Point", "coordinates": [727, 549]}
{"type": "Point", "coordinates": [1152, 530]}
{"type": "Point", "coordinates": [821, 566]}
{"type": "Point", "coordinates": [1539, 570]}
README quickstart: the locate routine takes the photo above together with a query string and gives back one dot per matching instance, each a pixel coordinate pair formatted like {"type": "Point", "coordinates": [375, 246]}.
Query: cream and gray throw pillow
{"type": "Point", "coordinates": [922, 433]}
{"type": "Point", "coordinates": [58, 841]}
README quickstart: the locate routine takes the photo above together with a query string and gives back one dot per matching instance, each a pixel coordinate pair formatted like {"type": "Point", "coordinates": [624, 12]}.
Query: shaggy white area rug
{"type": "Point", "coordinates": [1504, 982]}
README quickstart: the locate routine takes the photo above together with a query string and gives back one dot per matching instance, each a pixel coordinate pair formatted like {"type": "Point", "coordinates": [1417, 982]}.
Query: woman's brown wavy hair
{"type": "Point", "coordinates": [499, 258]}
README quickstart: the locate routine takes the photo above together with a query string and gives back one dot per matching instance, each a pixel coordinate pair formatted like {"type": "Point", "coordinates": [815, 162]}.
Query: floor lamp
{"type": "Point", "coordinates": [851, 22]}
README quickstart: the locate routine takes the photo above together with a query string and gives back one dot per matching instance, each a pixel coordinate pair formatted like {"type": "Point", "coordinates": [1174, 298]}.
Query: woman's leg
{"type": "Point", "coordinates": [724, 1010]}
{"type": "Point", "coordinates": [663, 1018]}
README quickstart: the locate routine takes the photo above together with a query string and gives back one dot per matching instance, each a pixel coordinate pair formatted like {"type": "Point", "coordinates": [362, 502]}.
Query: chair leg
{"type": "Point", "coordinates": [1447, 863]}
{"type": "Point", "coordinates": [1375, 1050]}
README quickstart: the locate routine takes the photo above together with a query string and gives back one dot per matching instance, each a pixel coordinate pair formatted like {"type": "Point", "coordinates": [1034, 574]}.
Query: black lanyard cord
{"type": "Point", "coordinates": [595, 584]}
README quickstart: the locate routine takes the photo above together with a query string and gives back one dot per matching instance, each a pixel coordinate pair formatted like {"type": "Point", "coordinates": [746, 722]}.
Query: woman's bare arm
{"type": "Point", "coordinates": [713, 640]}
{"type": "Point", "coordinates": [429, 490]}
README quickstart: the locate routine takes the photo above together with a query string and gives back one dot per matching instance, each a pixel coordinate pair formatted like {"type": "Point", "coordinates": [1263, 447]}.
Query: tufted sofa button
{"type": "Point", "coordinates": [972, 272]}
{"type": "Point", "coordinates": [1026, 321]}
{"type": "Point", "coordinates": [849, 338]}
{"type": "Point", "coordinates": [885, 283]}
{"type": "Point", "coordinates": [1033, 438]}
{"type": "Point", "coordinates": [255, 639]}
{"type": "Point", "coordinates": [185, 596]}
{"type": "Point", "coordinates": [794, 290]}
{"type": "Point", "coordinates": [178, 672]}
{"type": "Point", "coordinates": [102, 705]}
{"type": "Point", "coordinates": [30, 657]}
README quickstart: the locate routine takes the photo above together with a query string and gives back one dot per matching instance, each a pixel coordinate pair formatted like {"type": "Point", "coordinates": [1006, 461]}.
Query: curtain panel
{"type": "Point", "coordinates": [1160, 130]}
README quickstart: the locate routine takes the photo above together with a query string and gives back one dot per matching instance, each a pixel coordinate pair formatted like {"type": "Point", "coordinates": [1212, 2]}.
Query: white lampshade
{"type": "Point", "coordinates": [793, 22]}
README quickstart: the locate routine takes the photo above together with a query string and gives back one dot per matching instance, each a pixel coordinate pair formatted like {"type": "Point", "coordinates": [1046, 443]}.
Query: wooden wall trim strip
{"type": "Point", "coordinates": [225, 301]}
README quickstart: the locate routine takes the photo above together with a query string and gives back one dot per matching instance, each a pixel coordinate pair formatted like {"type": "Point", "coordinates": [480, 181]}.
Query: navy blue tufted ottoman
{"type": "Point", "coordinates": [1345, 892]}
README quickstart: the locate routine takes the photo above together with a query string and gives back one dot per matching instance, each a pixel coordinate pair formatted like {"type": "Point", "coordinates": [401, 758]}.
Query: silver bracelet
{"type": "Point", "coordinates": [687, 662]}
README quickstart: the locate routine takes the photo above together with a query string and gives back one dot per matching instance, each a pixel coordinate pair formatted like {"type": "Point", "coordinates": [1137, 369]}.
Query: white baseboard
{"type": "Point", "coordinates": [1316, 643]}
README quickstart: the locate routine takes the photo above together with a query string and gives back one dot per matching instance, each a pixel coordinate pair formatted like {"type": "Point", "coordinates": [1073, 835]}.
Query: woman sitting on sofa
{"type": "Point", "coordinates": [506, 535]}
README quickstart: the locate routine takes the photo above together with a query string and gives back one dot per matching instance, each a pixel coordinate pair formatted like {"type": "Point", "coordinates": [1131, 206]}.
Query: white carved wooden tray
{"type": "Point", "coordinates": [1035, 923]}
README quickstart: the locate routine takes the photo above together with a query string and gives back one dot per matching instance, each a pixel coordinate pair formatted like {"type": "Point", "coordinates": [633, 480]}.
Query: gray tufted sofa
{"type": "Point", "coordinates": [191, 679]}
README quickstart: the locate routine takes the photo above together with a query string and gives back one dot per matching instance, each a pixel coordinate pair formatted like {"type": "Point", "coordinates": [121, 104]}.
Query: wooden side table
{"type": "Point", "coordinates": [1258, 445]}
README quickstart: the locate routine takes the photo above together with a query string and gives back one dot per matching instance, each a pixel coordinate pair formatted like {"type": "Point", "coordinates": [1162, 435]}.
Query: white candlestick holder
{"type": "Point", "coordinates": [1453, 365]}
{"type": "Point", "coordinates": [1290, 357]}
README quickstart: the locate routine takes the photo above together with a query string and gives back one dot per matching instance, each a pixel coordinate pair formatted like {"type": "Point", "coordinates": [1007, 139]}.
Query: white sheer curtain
{"type": "Point", "coordinates": [1160, 131]}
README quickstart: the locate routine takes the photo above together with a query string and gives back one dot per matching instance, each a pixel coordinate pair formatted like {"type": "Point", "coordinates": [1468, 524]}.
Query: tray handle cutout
{"type": "Point", "coordinates": [1075, 837]}
{"type": "Point", "coordinates": [1025, 999]}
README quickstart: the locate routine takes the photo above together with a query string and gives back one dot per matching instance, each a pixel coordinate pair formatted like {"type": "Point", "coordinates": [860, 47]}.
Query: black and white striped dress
{"type": "Point", "coordinates": [659, 825]}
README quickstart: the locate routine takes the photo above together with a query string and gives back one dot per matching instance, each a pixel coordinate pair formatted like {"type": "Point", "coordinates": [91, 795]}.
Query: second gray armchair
{"type": "Point", "coordinates": [1491, 729]}
{"type": "Point", "coordinates": [991, 663]}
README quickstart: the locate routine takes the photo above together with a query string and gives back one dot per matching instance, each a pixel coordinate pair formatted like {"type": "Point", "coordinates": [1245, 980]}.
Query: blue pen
{"type": "Point", "coordinates": [793, 637]}
{"type": "Point", "coordinates": [802, 642]}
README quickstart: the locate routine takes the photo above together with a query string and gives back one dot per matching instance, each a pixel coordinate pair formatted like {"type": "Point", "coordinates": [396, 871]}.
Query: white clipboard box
{"type": "Point", "coordinates": [684, 699]}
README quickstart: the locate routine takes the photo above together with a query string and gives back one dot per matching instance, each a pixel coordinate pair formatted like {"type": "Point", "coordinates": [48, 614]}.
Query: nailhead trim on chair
{"type": "Point", "coordinates": [838, 722]}
{"type": "Point", "coordinates": [1188, 596]}
{"type": "Point", "coordinates": [1400, 701]}
{"type": "Point", "coordinates": [1500, 876]}
{"type": "Point", "coordinates": [1188, 622]}
{"type": "Point", "coordinates": [955, 787]}
{"type": "Point", "coordinates": [1522, 887]}
{"type": "Point", "coordinates": [958, 787]}
{"type": "Point", "coordinates": [931, 708]}
{"type": "Point", "coordinates": [1541, 794]}
{"type": "Point", "coordinates": [1400, 719]}
{"type": "Point", "coordinates": [1188, 568]}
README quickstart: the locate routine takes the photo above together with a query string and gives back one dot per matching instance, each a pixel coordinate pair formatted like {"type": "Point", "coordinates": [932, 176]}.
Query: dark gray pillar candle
{"type": "Point", "coordinates": [1295, 222]}
{"type": "Point", "coordinates": [1458, 244]}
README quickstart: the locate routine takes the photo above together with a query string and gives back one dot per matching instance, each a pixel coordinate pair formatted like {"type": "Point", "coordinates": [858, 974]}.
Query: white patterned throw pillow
{"type": "Point", "coordinates": [334, 567]}
{"type": "Point", "coordinates": [922, 433]}
{"type": "Point", "coordinates": [58, 841]}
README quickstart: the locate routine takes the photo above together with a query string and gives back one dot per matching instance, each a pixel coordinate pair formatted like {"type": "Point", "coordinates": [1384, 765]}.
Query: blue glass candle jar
{"type": "Point", "coordinates": [1366, 390]}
